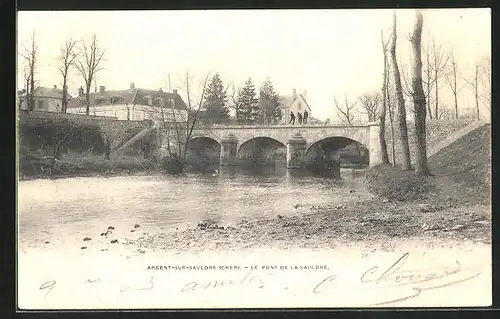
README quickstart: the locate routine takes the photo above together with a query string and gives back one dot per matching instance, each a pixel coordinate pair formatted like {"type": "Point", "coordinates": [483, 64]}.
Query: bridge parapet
{"type": "Point", "coordinates": [311, 134]}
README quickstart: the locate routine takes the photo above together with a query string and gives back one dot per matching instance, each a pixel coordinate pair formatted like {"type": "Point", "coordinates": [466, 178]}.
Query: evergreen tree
{"type": "Point", "coordinates": [248, 104]}
{"type": "Point", "coordinates": [269, 103]}
{"type": "Point", "coordinates": [215, 107]}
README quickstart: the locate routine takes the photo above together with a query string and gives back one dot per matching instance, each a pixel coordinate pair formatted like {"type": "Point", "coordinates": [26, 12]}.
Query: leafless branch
{"type": "Point", "coordinates": [88, 63]}
{"type": "Point", "coordinates": [371, 103]}
{"type": "Point", "coordinates": [67, 60]}
{"type": "Point", "coordinates": [345, 111]}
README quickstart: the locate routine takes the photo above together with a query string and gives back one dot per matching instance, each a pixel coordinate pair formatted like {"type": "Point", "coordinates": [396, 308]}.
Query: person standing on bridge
{"type": "Point", "coordinates": [306, 115]}
{"type": "Point", "coordinates": [292, 118]}
{"type": "Point", "coordinates": [299, 117]}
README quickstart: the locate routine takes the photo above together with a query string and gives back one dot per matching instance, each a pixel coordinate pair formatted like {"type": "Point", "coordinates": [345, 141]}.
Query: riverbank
{"type": "Point", "coordinates": [372, 220]}
{"type": "Point", "coordinates": [78, 165]}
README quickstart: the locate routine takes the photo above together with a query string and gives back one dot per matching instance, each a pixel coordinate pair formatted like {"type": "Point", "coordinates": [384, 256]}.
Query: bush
{"type": "Point", "coordinates": [393, 183]}
{"type": "Point", "coordinates": [172, 165]}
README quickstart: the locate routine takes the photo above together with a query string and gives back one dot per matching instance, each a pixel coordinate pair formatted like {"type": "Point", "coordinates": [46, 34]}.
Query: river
{"type": "Point", "coordinates": [58, 269]}
{"type": "Point", "coordinates": [55, 211]}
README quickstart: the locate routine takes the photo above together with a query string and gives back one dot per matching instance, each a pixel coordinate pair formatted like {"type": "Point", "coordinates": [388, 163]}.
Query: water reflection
{"type": "Point", "coordinates": [160, 202]}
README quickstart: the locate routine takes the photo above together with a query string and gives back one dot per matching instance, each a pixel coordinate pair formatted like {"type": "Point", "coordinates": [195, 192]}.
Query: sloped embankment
{"type": "Point", "coordinates": [436, 130]}
{"type": "Point", "coordinates": [466, 165]}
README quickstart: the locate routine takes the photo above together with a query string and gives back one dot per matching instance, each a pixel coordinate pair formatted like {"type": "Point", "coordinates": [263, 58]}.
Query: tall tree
{"type": "Point", "coordinates": [452, 77]}
{"type": "Point", "coordinates": [403, 129]}
{"type": "Point", "coordinates": [428, 80]}
{"type": "Point", "coordinates": [235, 99]}
{"type": "Point", "coordinates": [439, 62]}
{"type": "Point", "coordinates": [383, 111]}
{"type": "Point", "coordinates": [215, 106]}
{"type": "Point", "coordinates": [248, 103]}
{"type": "Point", "coordinates": [269, 103]}
{"type": "Point", "coordinates": [67, 58]}
{"type": "Point", "coordinates": [474, 83]}
{"type": "Point", "coordinates": [485, 67]}
{"type": "Point", "coordinates": [419, 106]}
{"type": "Point", "coordinates": [88, 64]}
{"type": "Point", "coordinates": [30, 54]}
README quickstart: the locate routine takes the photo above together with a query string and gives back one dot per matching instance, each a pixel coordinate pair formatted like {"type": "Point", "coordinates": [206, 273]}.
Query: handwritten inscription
{"type": "Point", "coordinates": [248, 279]}
{"type": "Point", "coordinates": [403, 282]}
{"type": "Point", "coordinates": [48, 286]}
{"type": "Point", "coordinates": [419, 280]}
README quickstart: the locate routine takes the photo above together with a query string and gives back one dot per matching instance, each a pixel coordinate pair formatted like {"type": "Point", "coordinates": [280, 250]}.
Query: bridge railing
{"type": "Point", "coordinates": [254, 126]}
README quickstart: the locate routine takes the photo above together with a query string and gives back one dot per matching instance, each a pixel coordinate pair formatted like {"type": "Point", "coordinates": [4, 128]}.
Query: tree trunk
{"type": "Point", "coordinates": [64, 96]}
{"type": "Point", "coordinates": [436, 98]}
{"type": "Point", "coordinates": [428, 82]}
{"type": "Point", "coordinates": [403, 129]}
{"type": "Point", "coordinates": [383, 144]}
{"type": "Point", "coordinates": [476, 93]}
{"type": "Point", "coordinates": [87, 96]}
{"type": "Point", "coordinates": [419, 106]}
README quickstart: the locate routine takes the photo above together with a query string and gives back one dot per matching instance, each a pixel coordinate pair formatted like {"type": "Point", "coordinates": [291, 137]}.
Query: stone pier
{"type": "Point", "coordinates": [295, 151]}
{"type": "Point", "coordinates": [374, 144]}
{"type": "Point", "coordinates": [228, 150]}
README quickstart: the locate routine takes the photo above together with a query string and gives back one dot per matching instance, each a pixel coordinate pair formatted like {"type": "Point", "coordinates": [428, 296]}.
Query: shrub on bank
{"type": "Point", "coordinates": [172, 165]}
{"type": "Point", "coordinates": [393, 183]}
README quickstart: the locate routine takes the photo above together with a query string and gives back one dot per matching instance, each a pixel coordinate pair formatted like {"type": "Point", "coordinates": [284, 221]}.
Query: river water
{"type": "Point", "coordinates": [56, 210]}
{"type": "Point", "coordinates": [55, 216]}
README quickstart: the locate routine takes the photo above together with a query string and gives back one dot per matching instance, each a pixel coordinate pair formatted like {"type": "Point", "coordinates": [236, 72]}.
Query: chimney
{"type": "Point", "coordinates": [294, 94]}
{"type": "Point", "coordinates": [304, 94]}
{"type": "Point", "coordinates": [132, 85]}
{"type": "Point", "coordinates": [174, 91]}
{"type": "Point", "coordinates": [102, 89]}
{"type": "Point", "coordinates": [55, 86]}
{"type": "Point", "coordinates": [80, 91]}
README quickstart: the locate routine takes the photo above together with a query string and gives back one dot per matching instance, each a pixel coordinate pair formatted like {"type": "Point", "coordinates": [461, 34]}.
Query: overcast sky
{"type": "Point", "coordinates": [326, 52]}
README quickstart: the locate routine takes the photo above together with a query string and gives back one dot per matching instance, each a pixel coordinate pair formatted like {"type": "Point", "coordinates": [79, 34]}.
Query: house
{"type": "Point", "coordinates": [296, 104]}
{"type": "Point", "coordinates": [46, 99]}
{"type": "Point", "coordinates": [133, 104]}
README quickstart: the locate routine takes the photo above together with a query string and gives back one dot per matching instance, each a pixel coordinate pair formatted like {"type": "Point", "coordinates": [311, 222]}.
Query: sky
{"type": "Point", "coordinates": [325, 53]}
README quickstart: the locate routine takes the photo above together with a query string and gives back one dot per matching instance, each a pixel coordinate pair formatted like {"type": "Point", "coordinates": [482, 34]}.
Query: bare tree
{"type": "Point", "coordinates": [67, 58]}
{"type": "Point", "coordinates": [428, 79]}
{"type": "Point", "coordinates": [403, 129]}
{"type": "Point", "coordinates": [474, 83]}
{"type": "Point", "coordinates": [31, 56]}
{"type": "Point", "coordinates": [371, 104]}
{"type": "Point", "coordinates": [485, 67]}
{"type": "Point", "coordinates": [452, 78]}
{"type": "Point", "coordinates": [419, 106]}
{"type": "Point", "coordinates": [88, 64]}
{"type": "Point", "coordinates": [345, 111]}
{"type": "Point", "coordinates": [438, 65]}
{"type": "Point", "coordinates": [383, 111]}
{"type": "Point", "coordinates": [23, 94]}
{"type": "Point", "coordinates": [179, 129]}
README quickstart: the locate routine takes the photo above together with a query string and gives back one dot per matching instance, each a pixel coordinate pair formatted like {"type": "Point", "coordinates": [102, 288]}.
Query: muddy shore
{"type": "Point", "coordinates": [373, 220]}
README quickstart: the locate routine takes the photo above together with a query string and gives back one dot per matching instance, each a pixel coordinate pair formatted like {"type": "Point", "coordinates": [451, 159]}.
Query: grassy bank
{"type": "Point", "coordinates": [71, 165]}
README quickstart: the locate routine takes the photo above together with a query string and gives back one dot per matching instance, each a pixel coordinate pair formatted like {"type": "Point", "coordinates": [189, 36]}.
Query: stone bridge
{"type": "Point", "coordinates": [298, 140]}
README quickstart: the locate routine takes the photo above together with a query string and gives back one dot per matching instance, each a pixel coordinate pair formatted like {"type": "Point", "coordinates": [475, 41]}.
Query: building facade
{"type": "Point", "coordinates": [133, 104]}
{"type": "Point", "coordinates": [296, 104]}
{"type": "Point", "coordinates": [46, 99]}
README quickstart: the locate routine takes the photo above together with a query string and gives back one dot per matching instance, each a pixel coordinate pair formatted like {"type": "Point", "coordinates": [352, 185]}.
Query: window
{"type": "Point", "coordinates": [39, 104]}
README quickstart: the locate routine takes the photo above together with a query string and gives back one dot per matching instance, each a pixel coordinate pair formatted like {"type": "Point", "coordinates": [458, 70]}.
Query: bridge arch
{"type": "Point", "coordinates": [200, 149]}
{"type": "Point", "coordinates": [359, 151]}
{"type": "Point", "coordinates": [260, 146]}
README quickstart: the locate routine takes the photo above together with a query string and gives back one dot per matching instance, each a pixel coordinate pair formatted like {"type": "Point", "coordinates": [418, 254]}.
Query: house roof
{"type": "Point", "coordinates": [134, 97]}
{"type": "Point", "coordinates": [287, 100]}
{"type": "Point", "coordinates": [49, 92]}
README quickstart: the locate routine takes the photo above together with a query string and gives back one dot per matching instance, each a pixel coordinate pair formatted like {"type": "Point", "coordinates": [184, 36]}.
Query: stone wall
{"type": "Point", "coordinates": [40, 130]}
